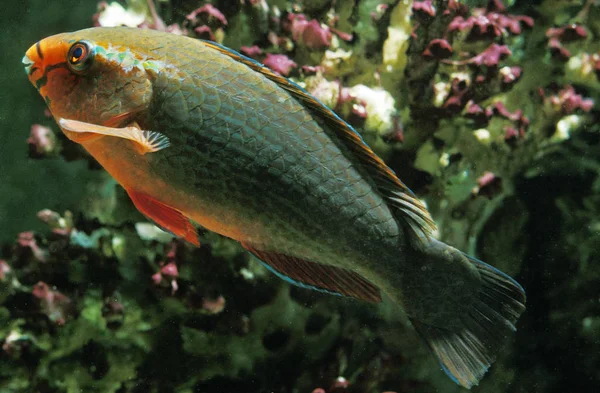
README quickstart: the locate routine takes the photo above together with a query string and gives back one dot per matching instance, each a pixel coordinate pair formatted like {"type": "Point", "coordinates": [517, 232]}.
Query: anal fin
{"type": "Point", "coordinates": [165, 216]}
{"type": "Point", "coordinates": [317, 276]}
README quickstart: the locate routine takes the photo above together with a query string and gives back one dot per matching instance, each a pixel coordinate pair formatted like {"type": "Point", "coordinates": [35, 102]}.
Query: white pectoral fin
{"type": "Point", "coordinates": [146, 141]}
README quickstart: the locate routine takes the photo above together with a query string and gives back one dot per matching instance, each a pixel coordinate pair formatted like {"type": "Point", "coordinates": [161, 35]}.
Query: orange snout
{"type": "Point", "coordinates": [33, 62]}
{"type": "Point", "coordinates": [43, 56]}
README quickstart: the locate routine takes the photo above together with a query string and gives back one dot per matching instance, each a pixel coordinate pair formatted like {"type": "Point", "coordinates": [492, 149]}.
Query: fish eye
{"type": "Point", "coordinates": [80, 56]}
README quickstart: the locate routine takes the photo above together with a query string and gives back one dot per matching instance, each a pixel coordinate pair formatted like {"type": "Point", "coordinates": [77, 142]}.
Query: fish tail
{"type": "Point", "coordinates": [466, 349]}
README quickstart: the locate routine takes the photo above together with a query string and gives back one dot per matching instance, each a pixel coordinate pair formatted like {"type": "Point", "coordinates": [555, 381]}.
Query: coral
{"type": "Point", "coordinates": [438, 49]}
{"type": "Point", "coordinates": [210, 11]}
{"type": "Point", "coordinates": [558, 36]}
{"type": "Point", "coordinates": [490, 23]}
{"type": "Point", "coordinates": [41, 141]}
{"type": "Point", "coordinates": [279, 63]}
{"type": "Point", "coordinates": [52, 303]}
{"type": "Point", "coordinates": [309, 33]}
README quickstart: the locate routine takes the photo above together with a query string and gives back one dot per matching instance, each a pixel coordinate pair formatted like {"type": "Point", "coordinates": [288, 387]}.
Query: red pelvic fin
{"type": "Point", "coordinates": [165, 216]}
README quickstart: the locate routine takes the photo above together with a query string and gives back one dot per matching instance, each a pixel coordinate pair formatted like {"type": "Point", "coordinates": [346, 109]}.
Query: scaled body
{"type": "Point", "coordinates": [194, 131]}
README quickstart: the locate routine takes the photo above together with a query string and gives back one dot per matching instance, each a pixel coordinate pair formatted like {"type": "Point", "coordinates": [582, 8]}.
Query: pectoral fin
{"type": "Point", "coordinates": [165, 216]}
{"type": "Point", "coordinates": [146, 141]}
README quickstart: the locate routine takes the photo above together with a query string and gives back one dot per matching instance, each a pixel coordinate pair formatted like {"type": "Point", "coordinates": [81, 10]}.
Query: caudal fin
{"type": "Point", "coordinates": [466, 354]}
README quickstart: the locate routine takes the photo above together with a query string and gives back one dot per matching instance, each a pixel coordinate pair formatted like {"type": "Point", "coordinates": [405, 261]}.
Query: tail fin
{"type": "Point", "coordinates": [466, 355]}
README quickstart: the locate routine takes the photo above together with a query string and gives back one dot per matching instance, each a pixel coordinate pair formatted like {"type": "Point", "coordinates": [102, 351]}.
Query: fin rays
{"type": "Point", "coordinates": [317, 276]}
{"type": "Point", "coordinates": [466, 355]}
{"type": "Point", "coordinates": [146, 141]}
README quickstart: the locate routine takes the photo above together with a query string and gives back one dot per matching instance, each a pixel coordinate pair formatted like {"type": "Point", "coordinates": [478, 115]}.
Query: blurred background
{"type": "Point", "coordinates": [29, 185]}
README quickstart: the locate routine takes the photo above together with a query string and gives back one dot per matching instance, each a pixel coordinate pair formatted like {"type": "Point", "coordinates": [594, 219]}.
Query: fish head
{"type": "Point", "coordinates": [89, 76]}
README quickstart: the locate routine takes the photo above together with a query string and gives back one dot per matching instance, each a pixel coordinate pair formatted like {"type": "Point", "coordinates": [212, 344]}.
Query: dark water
{"type": "Point", "coordinates": [90, 300]}
{"type": "Point", "coordinates": [29, 184]}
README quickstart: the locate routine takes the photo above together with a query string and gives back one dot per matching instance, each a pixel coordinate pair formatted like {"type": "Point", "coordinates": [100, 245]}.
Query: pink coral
{"type": "Point", "coordinates": [511, 135]}
{"type": "Point", "coordinates": [311, 70]}
{"type": "Point", "coordinates": [458, 97]}
{"type": "Point", "coordinates": [342, 34]}
{"type": "Point", "coordinates": [438, 49]}
{"type": "Point", "coordinates": [52, 303]}
{"type": "Point", "coordinates": [206, 20]}
{"type": "Point", "coordinates": [209, 10]}
{"type": "Point", "coordinates": [566, 101]}
{"type": "Point", "coordinates": [170, 270]}
{"type": "Point", "coordinates": [517, 117]}
{"type": "Point", "coordinates": [491, 56]}
{"type": "Point", "coordinates": [251, 51]}
{"type": "Point", "coordinates": [560, 35]}
{"type": "Point", "coordinates": [205, 32]}
{"type": "Point", "coordinates": [557, 50]}
{"type": "Point", "coordinates": [315, 36]}
{"type": "Point", "coordinates": [41, 141]}
{"type": "Point", "coordinates": [157, 278]}
{"type": "Point", "coordinates": [489, 23]}
{"type": "Point", "coordinates": [279, 63]}
{"type": "Point", "coordinates": [26, 241]}
{"type": "Point", "coordinates": [4, 269]}
{"type": "Point", "coordinates": [476, 113]}
{"type": "Point", "coordinates": [569, 101]}
{"type": "Point", "coordinates": [310, 33]}
{"type": "Point", "coordinates": [501, 110]}
{"type": "Point", "coordinates": [488, 185]}
{"type": "Point", "coordinates": [424, 8]}
{"type": "Point", "coordinates": [456, 8]}
{"type": "Point", "coordinates": [568, 33]}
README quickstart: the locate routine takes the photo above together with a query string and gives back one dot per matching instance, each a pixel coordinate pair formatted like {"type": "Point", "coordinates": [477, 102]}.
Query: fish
{"type": "Point", "coordinates": [201, 136]}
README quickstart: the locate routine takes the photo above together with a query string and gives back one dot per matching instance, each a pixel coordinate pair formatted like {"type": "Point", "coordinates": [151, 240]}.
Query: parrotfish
{"type": "Point", "coordinates": [199, 134]}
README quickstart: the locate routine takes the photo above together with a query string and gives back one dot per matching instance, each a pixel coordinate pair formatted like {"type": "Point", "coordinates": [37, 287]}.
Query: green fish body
{"type": "Point", "coordinates": [249, 154]}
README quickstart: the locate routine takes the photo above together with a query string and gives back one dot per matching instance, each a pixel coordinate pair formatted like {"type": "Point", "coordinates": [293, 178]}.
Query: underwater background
{"type": "Point", "coordinates": [486, 109]}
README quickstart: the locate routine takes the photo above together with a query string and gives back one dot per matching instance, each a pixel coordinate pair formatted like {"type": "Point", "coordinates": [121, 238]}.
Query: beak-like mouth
{"type": "Point", "coordinates": [29, 65]}
{"type": "Point", "coordinates": [33, 59]}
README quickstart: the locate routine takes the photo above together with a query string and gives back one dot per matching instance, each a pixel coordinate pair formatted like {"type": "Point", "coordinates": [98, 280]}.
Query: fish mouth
{"type": "Point", "coordinates": [30, 67]}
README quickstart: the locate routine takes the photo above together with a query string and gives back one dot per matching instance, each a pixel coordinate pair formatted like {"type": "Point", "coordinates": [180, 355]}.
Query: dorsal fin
{"type": "Point", "coordinates": [317, 276]}
{"type": "Point", "coordinates": [399, 197]}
